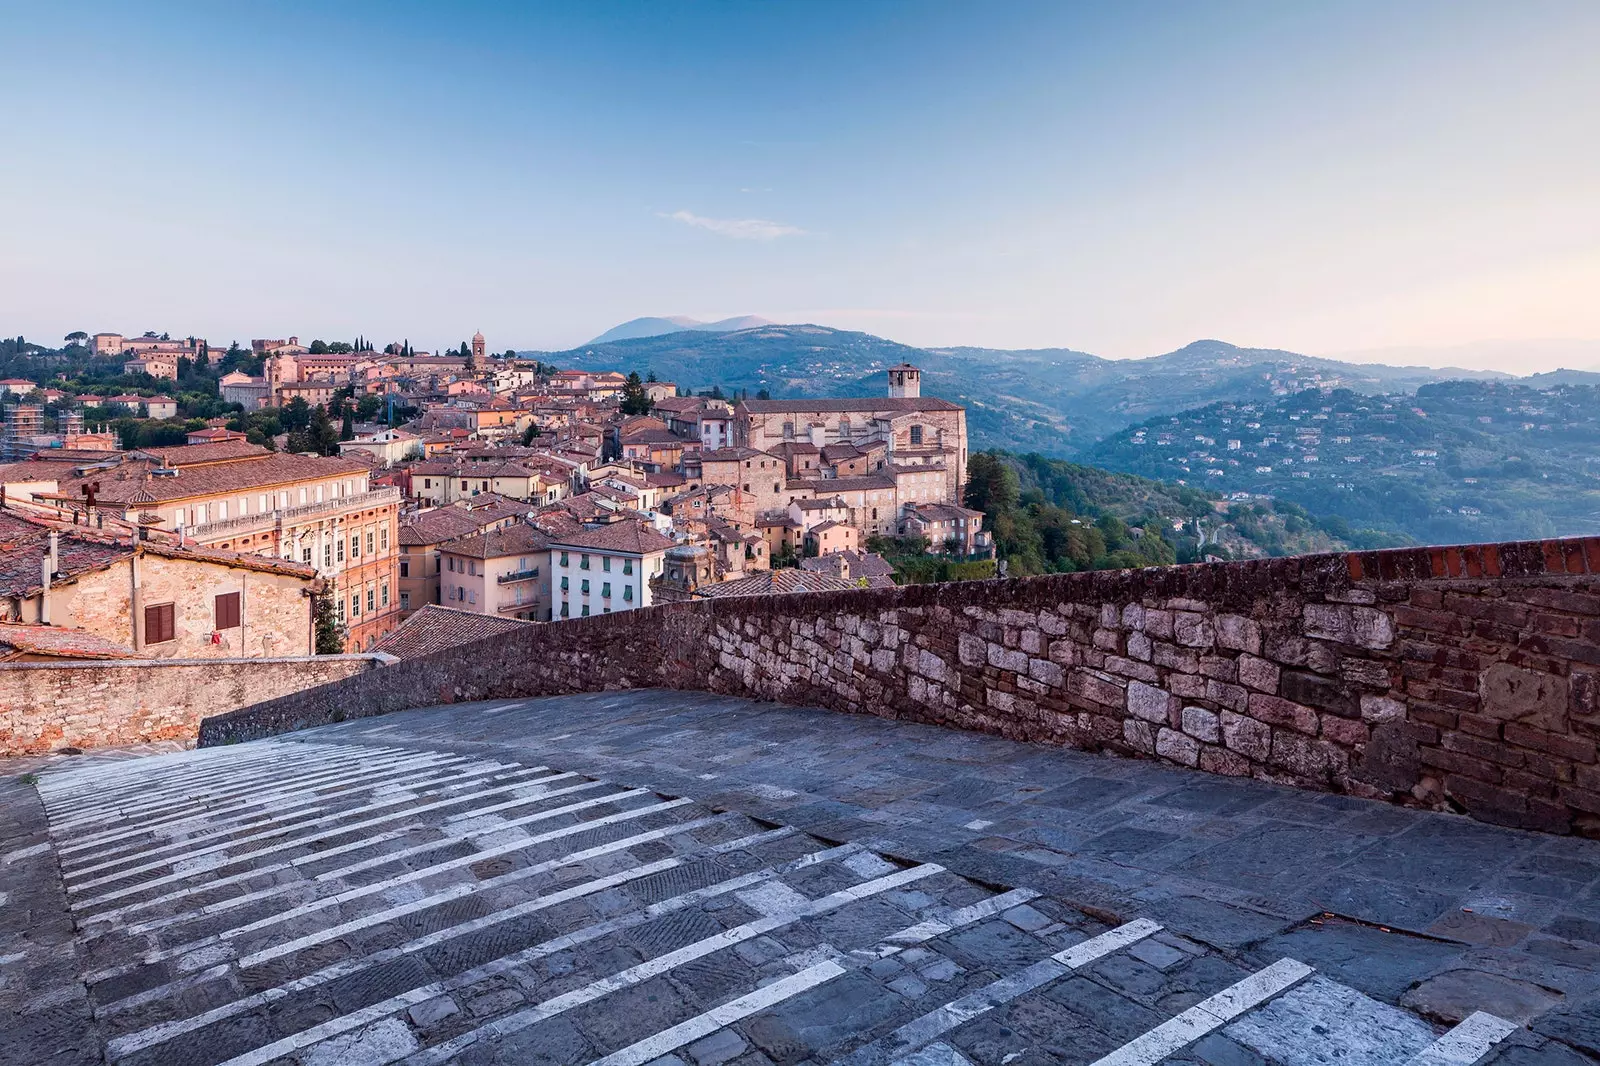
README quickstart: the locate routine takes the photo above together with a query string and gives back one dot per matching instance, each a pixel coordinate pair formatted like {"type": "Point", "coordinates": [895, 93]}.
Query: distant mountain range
{"type": "Point", "coordinates": [636, 328]}
{"type": "Point", "coordinates": [1056, 401]}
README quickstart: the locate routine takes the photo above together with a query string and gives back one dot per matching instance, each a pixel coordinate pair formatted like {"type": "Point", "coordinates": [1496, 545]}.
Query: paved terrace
{"type": "Point", "coordinates": [679, 878]}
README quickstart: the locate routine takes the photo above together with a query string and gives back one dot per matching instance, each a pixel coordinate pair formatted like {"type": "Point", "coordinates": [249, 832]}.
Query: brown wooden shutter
{"type": "Point", "coordinates": [228, 610]}
{"type": "Point", "coordinates": [159, 624]}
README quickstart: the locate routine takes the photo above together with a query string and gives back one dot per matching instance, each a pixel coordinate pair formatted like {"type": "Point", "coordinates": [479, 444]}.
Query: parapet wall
{"type": "Point", "coordinates": [1463, 678]}
{"type": "Point", "coordinates": [46, 706]}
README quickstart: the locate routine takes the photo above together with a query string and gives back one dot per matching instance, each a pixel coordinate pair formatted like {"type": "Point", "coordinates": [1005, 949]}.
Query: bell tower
{"type": "Point", "coordinates": [905, 382]}
{"type": "Point", "coordinates": [477, 349]}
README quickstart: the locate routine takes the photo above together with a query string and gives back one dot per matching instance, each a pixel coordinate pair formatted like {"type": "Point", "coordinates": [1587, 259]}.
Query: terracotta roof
{"type": "Point", "coordinates": [679, 404]}
{"type": "Point", "coordinates": [943, 512]}
{"type": "Point", "coordinates": [730, 455]}
{"type": "Point", "coordinates": [864, 404]}
{"type": "Point", "coordinates": [869, 565]}
{"type": "Point", "coordinates": [772, 582]}
{"type": "Point", "coordinates": [121, 484]}
{"type": "Point", "coordinates": [58, 643]}
{"type": "Point", "coordinates": [24, 543]}
{"type": "Point", "coordinates": [848, 484]}
{"type": "Point", "coordinates": [435, 628]}
{"type": "Point", "coordinates": [633, 538]}
{"type": "Point", "coordinates": [218, 451]}
{"type": "Point", "coordinates": [519, 539]}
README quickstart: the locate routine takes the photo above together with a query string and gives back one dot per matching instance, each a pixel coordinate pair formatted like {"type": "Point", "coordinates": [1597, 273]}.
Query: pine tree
{"type": "Point", "coordinates": [347, 430]}
{"type": "Point", "coordinates": [330, 633]}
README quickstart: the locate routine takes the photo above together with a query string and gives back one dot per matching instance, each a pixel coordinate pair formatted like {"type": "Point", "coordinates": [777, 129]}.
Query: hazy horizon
{"type": "Point", "coordinates": [1339, 180]}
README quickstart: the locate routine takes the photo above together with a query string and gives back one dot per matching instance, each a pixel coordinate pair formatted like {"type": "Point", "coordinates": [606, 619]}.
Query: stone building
{"type": "Point", "coordinates": [235, 496]}
{"type": "Point", "coordinates": [916, 430]}
{"type": "Point", "coordinates": [162, 601]}
{"type": "Point", "coordinates": [504, 572]}
{"type": "Point", "coordinates": [601, 571]}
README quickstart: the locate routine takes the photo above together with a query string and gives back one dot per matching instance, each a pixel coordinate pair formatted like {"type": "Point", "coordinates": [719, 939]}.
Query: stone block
{"type": "Point", "coordinates": [1139, 735]}
{"type": "Point", "coordinates": [1171, 744]}
{"type": "Point", "coordinates": [1532, 697]}
{"type": "Point", "coordinates": [1239, 633]}
{"type": "Point", "coordinates": [1276, 711]}
{"type": "Point", "coordinates": [1346, 731]}
{"type": "Point", "coordinates": [1231, 696]}
{"type": "Point", "coordinates": [1149, 703]}
{"type": "Point", "coordinates": [1202, 724]}
{"type": "Point", "coordinates": [1225, 762]}
{"type": "Point", "coordinates": [1193, 630]}
{"type": "Point", "coordinates": [1380, 709]}
{"type": "Point", "coordinates": [1258, 673]}
{"type": "Point", "coordinates": [1248, 737]}
{"type": "Point", "coordinates": [1046, 672]}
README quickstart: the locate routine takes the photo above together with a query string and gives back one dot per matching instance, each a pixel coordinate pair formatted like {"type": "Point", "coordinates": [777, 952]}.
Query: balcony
{"type": "Point", "coordinates": [518, 575]}
{"type": "Point", "coordinates": [379, 497]}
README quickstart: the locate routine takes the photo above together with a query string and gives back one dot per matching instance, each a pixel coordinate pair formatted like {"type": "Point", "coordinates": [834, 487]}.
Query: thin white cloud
{"type": "Point", "coordinates": [741, 229]}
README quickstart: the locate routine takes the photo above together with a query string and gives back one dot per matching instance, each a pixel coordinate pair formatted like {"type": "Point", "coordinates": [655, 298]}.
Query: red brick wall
{"type": "Point", "coordinates": [1462, 678]}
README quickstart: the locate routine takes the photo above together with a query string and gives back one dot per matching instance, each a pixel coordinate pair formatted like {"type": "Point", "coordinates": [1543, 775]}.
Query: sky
{"type": "Point", "coordinates": [1331, 178]}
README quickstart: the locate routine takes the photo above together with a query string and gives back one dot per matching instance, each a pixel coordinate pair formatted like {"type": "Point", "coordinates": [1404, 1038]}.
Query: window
{"type": "Point", "coordinates": [563, 558]}
{"type": "Point", "coordinates": [261, 502]}
{"type": "Point", "coordinates": [585, 586]}
{"type": "Point", "coordinates": [405, 568]}
{"type": "Point", "coordinates": [383, 537]}
{"type": "Point", "coordinates": [605, 590]}
{"type": "Point", "coordinates": [776, 487]}
{"type": "Point", "coordinates": [564, 611]}
{"type": "Point", "coordinates": [605, 563]}
{"type": "Point", "coordinates": [627, 593]}
{"type": "Point", "coordinates": [355, 545]}
{"type": "Point", "coordinates": [327, 554]}
{"type": "Point", "coordinates": [227, 611]}
{"type": "Point", "coordinates": [627, 566]}
{"type": "Point", "coordinates": [338, 548]}
{"type": "Point", "coordinates": [305, 554]}
{"type": "Point", "coordinates": [383, 594]}
{"type": "Point", "coordinates": [405, 601]}
{"type": "Point", "coordinates": [341, 608]}
{"type": "Point", "coordinates": [159, 624]}
{"type": "Point", "coordinates": [463, 486]}
{"type": "Point", "coordinates": [355, 605]}
{"type": "Point", "coordinates": [586, 610]}
{"type": "Point", "coordinates": [369, 542]}
{"type": "Point", "coordinates": [427, 482]}
{"type": "Point", "coordinates": [916, 434]}
{"type": "Point", "coordinates": [583, 562]}
{"type": "Point", "coordinates": [563, 584]}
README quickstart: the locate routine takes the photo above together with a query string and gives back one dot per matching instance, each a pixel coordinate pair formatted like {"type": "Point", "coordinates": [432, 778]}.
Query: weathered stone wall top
{"type": "Point", "coordinates": [46, 706]}
{"type": "Point", "coordinates": [1457, 678]}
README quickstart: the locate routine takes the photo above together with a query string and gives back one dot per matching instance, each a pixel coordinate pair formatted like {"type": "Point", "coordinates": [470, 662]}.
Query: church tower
{"type": "Point", "coordinates": [477, 349]}
{"type": "Point", "coordinates": [905, 382]}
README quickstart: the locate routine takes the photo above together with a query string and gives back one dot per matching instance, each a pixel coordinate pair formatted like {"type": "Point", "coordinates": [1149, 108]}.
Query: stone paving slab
{"type": "Point", "coordinates": [662, 877]}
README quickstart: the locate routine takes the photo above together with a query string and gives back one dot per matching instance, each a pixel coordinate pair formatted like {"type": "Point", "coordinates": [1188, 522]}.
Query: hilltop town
{"type": "Point", "coordinates": [166, 498]}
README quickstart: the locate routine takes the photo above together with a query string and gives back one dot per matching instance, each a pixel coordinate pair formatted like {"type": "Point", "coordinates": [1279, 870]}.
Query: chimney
{"type": "Point", "coordinates": [55, 551]}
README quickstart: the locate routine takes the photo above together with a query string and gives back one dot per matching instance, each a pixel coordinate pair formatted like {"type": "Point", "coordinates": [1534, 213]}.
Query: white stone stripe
{"type": "Point", "coordinates": [121, 847]}
{"type": "Point", "coordinates": [671, 1039]}
{"type": "Point", "coordinates": [661, 964]}
{"type": "Point", "coordinates": [320, 855]}
{"type": "Point", "coordinates": [923, 1031]}
{"type": "Point", "coordinates": [174, 770]}
{"type": "Point", "coordinates": [284, 779]}
{"type": "Point", "coordinates": [764, 998]}
{"type": "Point", "coordinates": [165, 1031]}
{"type": "Point", "coordinates": [237, 793]}
{"type": "Point", "coordinates": [141, 797]}
{"type": "Point", "coordinates": [416, 784]}
{"type": "Point", "coordinates": [496, 967]}
{"type": "Point", "coordinates": [1209, 1014]}
{"type": "Point", "coordinates": [1468, 1042]}
{"type": "Point", "coordinates": [366, 921]}
{"type": "Point", "coordinates": [315, 905]}
{"type": "Point", "coordinates": [272, 849]}
{"type": "Point", "coordinates": [111, 804]}
{"type": "Point", "coordinates": [925, 931]}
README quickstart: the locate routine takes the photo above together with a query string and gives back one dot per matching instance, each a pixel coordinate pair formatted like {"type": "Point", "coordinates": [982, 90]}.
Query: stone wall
{"type": "Point", "coordinates": [47, 706]}
{"type": "Point", "coordinates": [1463, 678]}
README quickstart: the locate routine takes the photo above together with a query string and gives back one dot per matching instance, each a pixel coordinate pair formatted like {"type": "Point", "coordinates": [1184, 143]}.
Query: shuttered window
{"type": "Point", "coordinates": [159, 624]}
{"type": "Point", "coordinates": [228, 610]}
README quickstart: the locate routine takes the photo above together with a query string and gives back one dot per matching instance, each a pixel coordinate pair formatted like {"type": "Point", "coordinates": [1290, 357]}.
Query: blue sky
{"type": "Point", "coordinates": [1327, 177]}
